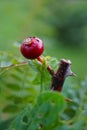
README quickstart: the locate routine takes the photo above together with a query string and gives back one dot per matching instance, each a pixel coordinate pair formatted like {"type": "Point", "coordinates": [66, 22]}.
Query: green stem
{"type": "Point", "coordinates": [6, 68]}
{"type": "Point", "coordinates": [41, 81]}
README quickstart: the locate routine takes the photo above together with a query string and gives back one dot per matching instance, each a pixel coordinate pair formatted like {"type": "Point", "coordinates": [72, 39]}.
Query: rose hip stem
{"type": "Point", "coordinates": [40, 60]}
{"type": "Point", "coordinates": [58, 78]}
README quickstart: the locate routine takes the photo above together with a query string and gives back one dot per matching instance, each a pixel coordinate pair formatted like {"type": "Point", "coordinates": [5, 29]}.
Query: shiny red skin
{"type": "Point", "coordinates": [32, 48]}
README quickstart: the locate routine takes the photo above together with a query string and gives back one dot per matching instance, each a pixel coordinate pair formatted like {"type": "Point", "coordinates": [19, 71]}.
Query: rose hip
{"type": "Point", "coordinates": [32, 47]}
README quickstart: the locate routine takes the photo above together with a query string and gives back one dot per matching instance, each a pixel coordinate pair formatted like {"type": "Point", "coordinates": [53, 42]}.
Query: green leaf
{"type": "Point", "coordinates": [78, 125]}
{"type": "Point", "coordinates": [5, 124]}
{"type": "Point", "coordinates": [34, 64]}
{"type": "Point", "coordinates": [21, 121]}
{"type": "Point", "coordinates": [45, 114]}
{"type": "Point", "coordinates": [63, 127]}
{"type": "Point", "coordinates": [47, 111]}
{"type": "Point", "coordinates": [11, 108]}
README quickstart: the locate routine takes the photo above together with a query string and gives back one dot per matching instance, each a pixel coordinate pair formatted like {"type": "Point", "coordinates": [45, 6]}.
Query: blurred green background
{"type": "Point", "coordinates": [62, 25]}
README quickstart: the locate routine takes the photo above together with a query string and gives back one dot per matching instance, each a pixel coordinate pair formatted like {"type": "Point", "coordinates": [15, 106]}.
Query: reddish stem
{"type": "Point", "coordinates": [40, 59]}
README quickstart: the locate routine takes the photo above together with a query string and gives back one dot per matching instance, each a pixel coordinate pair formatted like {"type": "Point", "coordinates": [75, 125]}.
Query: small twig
{"type": "Point", "coordinates": [14, 65]}
{"type": "Point", "coordinates": [68, 99]}
{"type": "Point", "coordinates": [6, 68]}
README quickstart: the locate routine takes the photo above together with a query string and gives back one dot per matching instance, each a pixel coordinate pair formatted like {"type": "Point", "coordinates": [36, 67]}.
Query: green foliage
{"type": "Point", "coordinates": [27, 102]}
{"type": "Point", "coordinates": [20, 83]}
{"type": "Point", "coordinates": [42, 115]}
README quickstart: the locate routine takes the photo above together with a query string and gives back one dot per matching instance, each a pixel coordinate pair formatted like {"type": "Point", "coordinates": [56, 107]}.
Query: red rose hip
{"type": "Point", "coordinates": [32, 47]}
